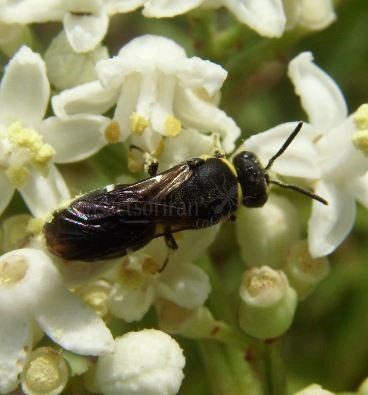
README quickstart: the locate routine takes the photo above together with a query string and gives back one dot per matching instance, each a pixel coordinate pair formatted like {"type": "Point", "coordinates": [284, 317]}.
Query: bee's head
{"type": "Point", "coordinates": [252, 179]}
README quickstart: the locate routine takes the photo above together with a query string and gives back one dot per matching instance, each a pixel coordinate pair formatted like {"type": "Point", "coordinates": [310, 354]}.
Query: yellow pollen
{"type": "Point", "coordinates": [256, 284]}
{"type": "Point", "coordinates": [135, 161]}
{"type": "Point", "coordinates": [138, 123]}
{"type": "Point", "coordinates": [113, 132]}
{"type": "Point", "coordinates": [150, 266]}
{"type": "Point", "coordinates": [35, 226]}
{"type": "Point", "coordinates": [360, 140]}
{"type": "Point", "coordinates": [12, 270]}
{"type": "Point", "coordinates": [172, 126]}
{"type": "Point", "coordinates": [361, 117]}
{"type": "Point", "coordinates": [159, 149]}
{"type": "Point", "coordinates": [29, 139]}
{"type": "Point", "coordinates": [17, 175]}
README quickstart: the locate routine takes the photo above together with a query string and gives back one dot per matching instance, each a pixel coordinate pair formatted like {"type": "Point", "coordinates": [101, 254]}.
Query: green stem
{"type": "Point", "coordinates": [227, 371]}
{"type": "Point", "coordinates": [274, 369]}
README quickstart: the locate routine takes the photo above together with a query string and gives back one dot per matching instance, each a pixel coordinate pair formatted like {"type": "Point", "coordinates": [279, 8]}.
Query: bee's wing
{"type": "Point", "coordinates": [106, 223]}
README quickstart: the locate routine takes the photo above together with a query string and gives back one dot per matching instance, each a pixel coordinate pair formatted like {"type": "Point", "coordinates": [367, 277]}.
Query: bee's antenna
{"type": "Point", "coordinates": [291, 186]}
{"type": "Point", "coordinates": [285, 145]}
{"type": "Point", "coordinates": [299, 189]}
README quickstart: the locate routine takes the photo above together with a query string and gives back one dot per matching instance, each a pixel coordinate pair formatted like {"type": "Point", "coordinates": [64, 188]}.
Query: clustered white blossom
{"type": "Point", "coordinates": [151, 95]}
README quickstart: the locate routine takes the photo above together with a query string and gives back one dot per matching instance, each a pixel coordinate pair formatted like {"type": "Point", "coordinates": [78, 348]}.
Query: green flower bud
{"type": "Point", "coordinates": [267, 304]}
{"type": "Point", "coordinates": [265, 233]}
{"type": "Point", "coordinates": [303, 271]}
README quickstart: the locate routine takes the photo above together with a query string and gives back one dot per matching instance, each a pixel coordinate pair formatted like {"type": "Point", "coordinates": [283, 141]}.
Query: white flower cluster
{"type": "Point", "coordinates": [154, 97]}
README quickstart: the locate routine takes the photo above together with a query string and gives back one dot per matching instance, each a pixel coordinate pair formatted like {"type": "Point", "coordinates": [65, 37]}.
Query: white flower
{"type": "Point", "coordinates": [341, 164]}
{"type": "Point", "coordinates": [148, 362]}
{"type": "Point", "coordinates": [140, 283]}
{"type": "Point", "coordinates": [31, 289]}
{"type": "Point", "coordinates": [158, 92]}
{"type": "Point", "coordinates": [266, 17]}
{"type": "Point", "coordinates": [85, 21]}
{"type": "Point", "coordinates": [67, 68]}
{"type": "Point", "coordinates": [29, 144]}
{"type": "Point", "coordinates": [310, 14]}
{"type": "Point", "coordinates": [323, 153]}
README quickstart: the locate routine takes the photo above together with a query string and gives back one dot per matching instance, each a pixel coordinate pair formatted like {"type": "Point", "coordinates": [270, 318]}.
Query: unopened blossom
{"type": "Point", "coordinates": [85, 22]}
{"type": "Point", "coordinates": [147, 362]}
{"type": "Point", "coordinates": [268, 303]}
{"type": "Point", "coordinates": [29, 144]}
{"type": "Point", "coordinates": [31, 290]}
{"type": "Point", "coordinates": [266, 233]}
{"type": "Point", "coordinates": [46, 371]}
{"type": "Point", "coordinates": [159, 93]}
{"type": "Point", "coordinates": [309, 14]}
{"type": "Point", "coordinates": [67, 68]}
{"type": "Point", "coordinates": [342, 166]}
{"type": "Point", "coordinates": [266, 17]}
{"type": "Point", "coordinates": [155, 272]}
{"type": "Point", "coordinates": [13, 36]}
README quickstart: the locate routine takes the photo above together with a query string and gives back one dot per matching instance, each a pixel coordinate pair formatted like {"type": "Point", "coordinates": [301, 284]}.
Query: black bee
{"type": "Point", "coordinates": [195, 194]}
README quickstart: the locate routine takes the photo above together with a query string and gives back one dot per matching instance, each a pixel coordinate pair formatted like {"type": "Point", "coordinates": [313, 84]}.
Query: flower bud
{"type": "Point", "coordinates": [303, 271]}
{"type": "Point", "coordinates": [148, 362]}
{"type": "Point", "coordinates": [67, 68]}
{"type": "Point", "coordinates": [45, 372]}
{"type": "Point", "coordinates": [267, 304]}
{"type": "Point", "coordinates": [265, 233]}
{"type": "Point", "coordinates": [314, 389]}
{"type": "Point", "coordinates": [196, 324]}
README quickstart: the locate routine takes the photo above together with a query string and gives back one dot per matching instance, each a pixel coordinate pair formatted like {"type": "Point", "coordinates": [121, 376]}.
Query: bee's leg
{"type": "Point", "coordinates": [218, 154]}
{"type": "Point", "coordinates": [150, 163]}
{"type": "Point", "coordinates": [169, 239]}
{"type": "Point", "coordinates": [152, 168]}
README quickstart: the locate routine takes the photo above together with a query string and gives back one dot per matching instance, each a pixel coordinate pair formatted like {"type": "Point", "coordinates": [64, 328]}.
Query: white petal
{"type": "Point", "coordinates": [317, 14]}
{"type": "Point", "coordinates": [359, 189]}
{"type": "Point", "coordinates": [68, 322]}
{"type": "Point", "coordinates": [299, 159]}
{"type": "Point", "coordinates": [24, 90]}
{"type": "Point", "coordinates": [202, 115]}
{"type": "Point", "coordinates": [329, 225]}
{"type": "Point", "coordinates": [321, 98]}
{"type": "Point", "coordinates": [44, 194]}
{"type": "Point", "coordinates": [197, 73]}
{"type": "Point", "coordinates": [28, 11]}
{"type": "Point", "coordinates": [15, 343]}
{"type": "Point", "coordinates": [6, 191]}
{"type": "Point", "coordinates": [190, 143]}
{"type": "Point", "coordinates": [89, 98]}
{"type": "Point", "coordinates": [119, 6]}
{"type": "Point", "coordinates": [266, 17]}
{"type": "Point", "coordinates": [76, 138]}
{"type": "Point", "coordinates": [163, 8]}
{"type": "Point", "coordinates": [85, 32]}
{"type": "Point", "coordinates": [184, 284]}
{"type": "Point", "coordinates": [127, 104]}
{"type": "Point", "coordinates": [129, 303]}
{"type": "Point", "coordinates": [349, 163]}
